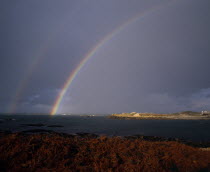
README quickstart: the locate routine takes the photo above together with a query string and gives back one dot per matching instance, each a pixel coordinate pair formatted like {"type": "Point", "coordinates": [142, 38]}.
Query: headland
{"type": "Point", "coordinates": [185, 115]}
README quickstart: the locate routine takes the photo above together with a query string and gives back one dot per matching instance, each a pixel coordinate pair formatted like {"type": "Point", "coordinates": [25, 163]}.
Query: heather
{"type": "Point", "coordinates": [62, 152]}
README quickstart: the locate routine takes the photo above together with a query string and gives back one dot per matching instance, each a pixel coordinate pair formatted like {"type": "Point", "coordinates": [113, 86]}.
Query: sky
{"type": "Point", "coordinates": [151, 55]}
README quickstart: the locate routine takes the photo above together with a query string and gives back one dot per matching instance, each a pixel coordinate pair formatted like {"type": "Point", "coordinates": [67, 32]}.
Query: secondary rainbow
{"type": "Point", "coordinates": [40, 56]}
{"type": "Point", "coordinates": [107, 38]}
{"type": "Point", "coordinates": [32, 67]}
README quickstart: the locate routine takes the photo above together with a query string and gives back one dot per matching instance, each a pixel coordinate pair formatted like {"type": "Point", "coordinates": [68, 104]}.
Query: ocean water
{"type": "Point", "coordinates": [194, 130]}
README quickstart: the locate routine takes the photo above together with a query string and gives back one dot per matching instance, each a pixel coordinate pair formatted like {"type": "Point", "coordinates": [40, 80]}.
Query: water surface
{"type": "Point", "coordinates": [195, 130]}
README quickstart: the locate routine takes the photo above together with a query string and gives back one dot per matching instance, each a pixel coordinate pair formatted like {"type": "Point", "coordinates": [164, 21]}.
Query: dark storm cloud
{"type": "Point", "coordinates": [38, 103]}
{"type": "Point", "coordinates": [160, 61]}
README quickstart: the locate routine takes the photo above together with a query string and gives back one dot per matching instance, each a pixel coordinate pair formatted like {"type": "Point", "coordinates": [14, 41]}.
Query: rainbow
{"type": "Point", "coordinates": [24, 82]}
{"type": "Point", "coordinates": [104, 40]}
{"type": "Point", "coordinates": [41, 54]}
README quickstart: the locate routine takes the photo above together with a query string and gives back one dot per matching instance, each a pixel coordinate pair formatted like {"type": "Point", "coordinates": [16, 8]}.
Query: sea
{"type": "Point", "coordinates": [192, 130]}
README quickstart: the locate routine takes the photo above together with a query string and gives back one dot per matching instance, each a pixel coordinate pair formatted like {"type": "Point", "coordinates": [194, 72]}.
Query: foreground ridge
{"type": "Point", "coordinates": [63, 152]}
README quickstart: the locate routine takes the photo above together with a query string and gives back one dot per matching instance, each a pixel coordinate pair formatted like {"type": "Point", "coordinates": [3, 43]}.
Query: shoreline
{"type": "Point", "coordinates": [195, 144]}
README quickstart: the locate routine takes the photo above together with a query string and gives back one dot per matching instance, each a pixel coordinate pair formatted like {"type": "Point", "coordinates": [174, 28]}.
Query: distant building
{"type": "Point", "coordinates": [136, 115]}
{"type": "Point", "coordinates": [205, 112]}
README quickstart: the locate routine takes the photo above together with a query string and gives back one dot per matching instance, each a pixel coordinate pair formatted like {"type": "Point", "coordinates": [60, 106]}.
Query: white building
{"type": "Point", "coordinates": [205, 112]}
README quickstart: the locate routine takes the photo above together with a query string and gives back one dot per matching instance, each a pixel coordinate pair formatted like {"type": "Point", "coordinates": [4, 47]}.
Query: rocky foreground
{"type": "Point", "coordinates": [89, 152]}
{"type": "Point", "coordinates": [187, 115]}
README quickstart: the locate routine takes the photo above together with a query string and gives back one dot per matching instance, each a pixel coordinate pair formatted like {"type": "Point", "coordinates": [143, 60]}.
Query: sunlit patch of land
{"type": "Point", "coordinates": [186, 115]}
{"type": "Point", "coordinates": [62, 152]}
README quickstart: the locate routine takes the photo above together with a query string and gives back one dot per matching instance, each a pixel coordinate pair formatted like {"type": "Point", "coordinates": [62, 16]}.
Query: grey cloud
{"type": "Point", "coordinates": [159, 63]}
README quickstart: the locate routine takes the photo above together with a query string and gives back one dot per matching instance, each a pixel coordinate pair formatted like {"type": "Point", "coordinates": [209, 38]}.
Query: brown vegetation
{"type": "Point", "coordinates": [59, 152]}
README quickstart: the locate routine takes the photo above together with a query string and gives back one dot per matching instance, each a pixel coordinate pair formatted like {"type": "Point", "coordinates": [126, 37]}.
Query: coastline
{"type": "Point", "coordinates": [188, 115]}
{"type": "Point", "coordinates": [85, 135]}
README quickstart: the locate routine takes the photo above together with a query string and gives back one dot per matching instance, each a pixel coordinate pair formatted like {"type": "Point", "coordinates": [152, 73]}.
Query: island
{"type": "Point", "coordinates": [185, 115]}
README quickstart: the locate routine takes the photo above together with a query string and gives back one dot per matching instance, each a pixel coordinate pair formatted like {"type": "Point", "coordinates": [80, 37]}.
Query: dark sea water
{"type": "Point", "coordinates": [194, 130]}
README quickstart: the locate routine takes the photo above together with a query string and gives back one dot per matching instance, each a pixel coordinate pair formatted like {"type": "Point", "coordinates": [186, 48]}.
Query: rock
{"type": "Point", "coordinates": [38, 131]}
{"type": "Point", "coordinates": [55, 126]}
{"type": "Point", "coordinates": [34, 125]}
{"type": "Point", "coordinates": [87, 135]}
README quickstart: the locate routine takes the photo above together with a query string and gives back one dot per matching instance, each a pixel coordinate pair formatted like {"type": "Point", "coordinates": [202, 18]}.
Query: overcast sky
{"type": "Point", "coordinates": [157, 63]}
